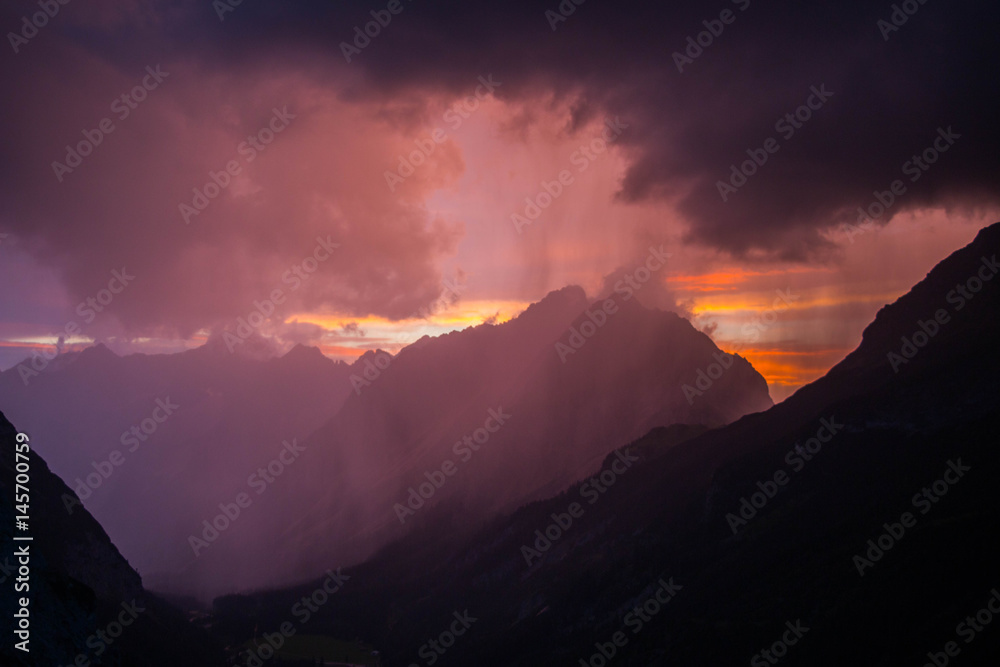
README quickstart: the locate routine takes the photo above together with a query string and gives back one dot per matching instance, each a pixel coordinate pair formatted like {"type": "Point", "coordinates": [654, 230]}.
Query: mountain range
{"type": "Point", "coordinates": [161, 447]}
{"type": "Point", "coordinates": [853, 523]}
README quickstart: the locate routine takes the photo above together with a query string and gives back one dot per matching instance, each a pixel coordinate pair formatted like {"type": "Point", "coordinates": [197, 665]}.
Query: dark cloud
{"type": "Point", "coordinates": [270, 227]}
{"type": "Point", "coordinates": [686, 129]}
{"type": "Point", "coordinates": [890, 97]}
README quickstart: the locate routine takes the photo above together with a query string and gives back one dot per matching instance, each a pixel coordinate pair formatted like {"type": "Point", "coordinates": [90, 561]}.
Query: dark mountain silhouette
{"type": "Point", "coordinates": [420, 422]}
{"type": "Point", "coordinates": [390, 422]}
{"type": "Point", "coordinates": [825, 545]}
{"type": "Point", "coordinates": [79, 584]}
{"type": "Point", "coordinates": [206, 419]}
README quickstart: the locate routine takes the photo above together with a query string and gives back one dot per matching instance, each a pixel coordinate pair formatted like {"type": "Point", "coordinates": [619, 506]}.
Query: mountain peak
{"type": "Point", "coordinates": [557, 303]}
{"type": "Point", "coordinates": [371, 355]}
{"type": "Point", "coordinates": [95, 355]}
{"type": "Point", "coordinates": [938, 290]}
{"type": "Point", "coordinates": [570, 294]}
{"type": "Point", "coordinates": [97, 351]}
{"type": "Point", "coordinates": [988, 235]}
{"type": "Point", "coordinates": [305, 353]}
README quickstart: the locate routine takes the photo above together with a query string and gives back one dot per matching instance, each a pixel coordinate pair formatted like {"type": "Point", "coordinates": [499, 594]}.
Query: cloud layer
{"type": "Point", "coordinates": [321, 176]}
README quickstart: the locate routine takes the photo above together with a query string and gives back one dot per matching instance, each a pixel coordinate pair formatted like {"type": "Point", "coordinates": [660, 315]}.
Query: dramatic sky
{"type": "Point", "coordinates": [439, 249]}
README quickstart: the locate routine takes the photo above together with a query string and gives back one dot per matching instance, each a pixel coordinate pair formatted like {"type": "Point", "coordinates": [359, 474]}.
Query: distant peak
{"type": "Point", "coordinates": [305, 352]}
{"type": "Point", "coordinates": [98, 351]}
{"type": "Point", "coordinates": [571, 297]}
{"type": "Point", "coordinates": [371, 355]}
{"type": "Point", "coordinates": [987, 234]}
{"type": "Point", "coordinates": [570, 293]}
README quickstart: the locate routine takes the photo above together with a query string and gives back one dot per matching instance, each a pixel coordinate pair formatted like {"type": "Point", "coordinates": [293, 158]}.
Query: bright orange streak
{"type": "Point", "coordinates": [42, 346]}
{"type": "Point", "coordinates": [341, 351]}
{"type": "Point", "coordinates": [461, 315]}
{"type": "Point", "coordinates": [14, 343]}
{"type": "Point", "coordinates": [726, 280]}
{"type": "Point", "coordinates": [745, 303]}
{"type": "Point", "coordinates": [783, 352]}
{"type": "Point", "coordinates": [792, 367]}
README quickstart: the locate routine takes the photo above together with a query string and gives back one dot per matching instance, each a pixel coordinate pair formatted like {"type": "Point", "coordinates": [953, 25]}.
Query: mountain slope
{"type": "Point", "coordinates": [159, 446]}
{"type": "Point", "coordinates": [794, 558]}
{"type": "Point", "coordinates": [188, 429]}
{"type": "Point", "coordinates": [495, 416]}
{"type": "Point", "coordinates": [78, 584]}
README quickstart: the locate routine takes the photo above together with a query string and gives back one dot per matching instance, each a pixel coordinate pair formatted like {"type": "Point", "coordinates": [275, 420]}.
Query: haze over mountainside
{"type": "Point", "coordinates": [490, 416]}
{"type": "Point", "coordinates": [562, 412]}
{"type": "Point", "coordinates": [551, 416]}
{"type": "Point", "coordinates": [859, 514]}
{"type": "Point", "coordinates": [534, 333]}
{"type": "Point", "coordinates": [79, 584]}
{"type": "Point", "coordinates": [188, 428]}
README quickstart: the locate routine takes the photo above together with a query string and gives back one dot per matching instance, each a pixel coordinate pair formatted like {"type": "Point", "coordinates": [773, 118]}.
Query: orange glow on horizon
{"type": "Point", "coordinates": [459, 316]}
{"type": "Point", "coordinates": [341, 351]}
{"type": "Point", "coordinates": [727, 280]}
{"type": "Point", "coordinates": [764, 301]}
{"type": "Point", "coordinates": [785, 368]}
